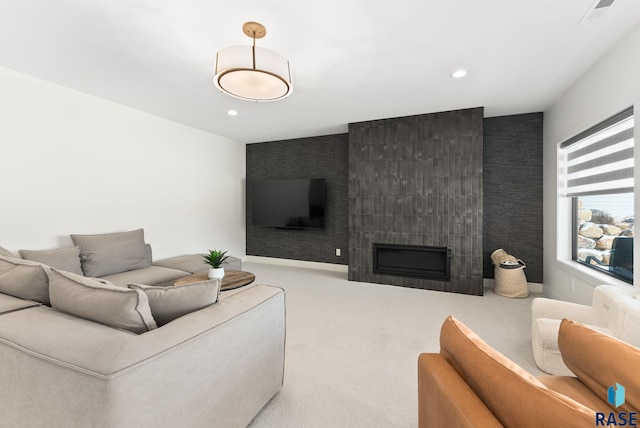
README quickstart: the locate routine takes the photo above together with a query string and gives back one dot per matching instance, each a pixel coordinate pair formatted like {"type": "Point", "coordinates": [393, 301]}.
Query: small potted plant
{"type": "Point", "coordinates": [215, 259]}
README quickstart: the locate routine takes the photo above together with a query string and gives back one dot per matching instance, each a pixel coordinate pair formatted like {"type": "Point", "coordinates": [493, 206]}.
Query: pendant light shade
{"type": "Point", "coordinates": [252, 73]}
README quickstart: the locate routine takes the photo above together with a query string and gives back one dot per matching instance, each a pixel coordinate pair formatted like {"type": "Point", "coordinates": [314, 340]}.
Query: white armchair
{"type": "Point", "coordinates": [613, 311]}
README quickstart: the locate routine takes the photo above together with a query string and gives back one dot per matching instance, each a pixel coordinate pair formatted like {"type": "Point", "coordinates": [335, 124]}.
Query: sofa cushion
{"type": "Point", "coordinates": [445, 399]}
{"type": "Point", "coordinates": [169, 303]}
{"type": "Point", "coordinates": [24, 279]}
{"type": "Point", "coordinates": [194, 263]}
{"type": "Point", "coordinates": [109, 253]}
{"type": "Point", "coordinates": [512, 394]}
{"type": "Point", "coordinates": [5, 252]}
{"type": "Point", "coordinates": [571, 387]}
{"type": "Point", "coordinates": [100, 301]}
{"type": "Point", "coordinates": [600, 361]}
{"type": "Point", "coordinates": [191, 263]}
{"type": "Point", "coordinates": [62, 258]}
{"type": "Point", "coordinates": [9, 304]}
{"type": "Point", "coordinates": [153, 275]}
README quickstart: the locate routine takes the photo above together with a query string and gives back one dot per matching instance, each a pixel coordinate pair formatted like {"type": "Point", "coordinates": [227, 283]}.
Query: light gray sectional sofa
{"type": "Point", "coordinates": [121, 258]}
{"type": "Point", "coordinates": [77, 351]}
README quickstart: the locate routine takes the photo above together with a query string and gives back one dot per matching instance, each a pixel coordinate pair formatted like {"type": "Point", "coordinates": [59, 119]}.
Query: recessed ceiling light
{"type": "Point", "coordinates": [459, 73]}
{"type": "Point", "coordinates": [232, 113]}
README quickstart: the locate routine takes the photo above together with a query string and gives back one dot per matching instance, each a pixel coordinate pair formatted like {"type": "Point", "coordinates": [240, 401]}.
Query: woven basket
{"type": "Point", "coordinates": [500, 255]}
{"type": "Point", "coordinates": [511, 282]}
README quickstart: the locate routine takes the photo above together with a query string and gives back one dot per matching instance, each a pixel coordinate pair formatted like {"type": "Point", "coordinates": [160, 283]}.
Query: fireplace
{"type": "Point", "coordinates": [412, 261]}
{"type": "Point", "coordinates": [418, 181]}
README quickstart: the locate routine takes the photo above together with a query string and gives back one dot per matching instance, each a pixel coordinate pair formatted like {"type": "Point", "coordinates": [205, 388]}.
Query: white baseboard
{"type": "Point", "coordinates": [297, 263]}
{"type": "Point", "coordinates": [534, 287]}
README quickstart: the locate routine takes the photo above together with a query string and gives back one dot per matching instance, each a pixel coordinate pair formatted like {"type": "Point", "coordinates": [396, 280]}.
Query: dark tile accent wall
{"type": "Point", "coordinates": [316, 157]}
{"type": "Point", "coordinates": [513, 190]}
{"type": "Point", "coordinates": [512, 195]}
{"type": "Point", "coordinates": [418, 180]}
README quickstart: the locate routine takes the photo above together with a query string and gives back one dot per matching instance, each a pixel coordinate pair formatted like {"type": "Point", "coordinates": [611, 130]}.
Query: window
{"type": "Point", "coordinates": [599, 180]}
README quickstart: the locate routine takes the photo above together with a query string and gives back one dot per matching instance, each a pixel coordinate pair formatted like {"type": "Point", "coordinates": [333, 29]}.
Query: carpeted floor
{"type": "Point", "coordinates": [352, 348]}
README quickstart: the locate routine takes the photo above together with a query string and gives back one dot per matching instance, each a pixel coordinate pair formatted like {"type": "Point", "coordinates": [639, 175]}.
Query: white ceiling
{"type": "Point", "coordinates": [352, 60]}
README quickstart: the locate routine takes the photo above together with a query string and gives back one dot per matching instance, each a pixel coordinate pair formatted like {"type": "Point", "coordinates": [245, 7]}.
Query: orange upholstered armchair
{"type": "Point", "coordinates": [469, 384]}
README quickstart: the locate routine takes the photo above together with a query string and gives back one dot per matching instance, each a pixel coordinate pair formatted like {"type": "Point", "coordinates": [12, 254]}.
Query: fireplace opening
{"type": "Point", "coordinates": [413, 261]}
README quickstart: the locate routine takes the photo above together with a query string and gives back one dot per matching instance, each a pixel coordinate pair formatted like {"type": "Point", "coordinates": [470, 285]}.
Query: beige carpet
{"type": "Point", "coordinates": [352, 347]}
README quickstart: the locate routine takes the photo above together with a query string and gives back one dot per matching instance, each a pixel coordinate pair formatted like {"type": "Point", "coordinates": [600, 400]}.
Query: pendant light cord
{"type": "Point", "coordinates": [253, 50]}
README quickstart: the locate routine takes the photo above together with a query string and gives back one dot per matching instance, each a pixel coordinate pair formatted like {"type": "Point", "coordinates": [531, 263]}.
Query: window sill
{"type": "Point", "coordinates": [591, 276]}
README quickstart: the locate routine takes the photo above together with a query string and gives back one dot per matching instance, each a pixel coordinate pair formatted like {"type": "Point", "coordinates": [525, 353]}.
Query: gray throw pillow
{"type": "Point", "coordinates": [62, 258]}
{"type": "Point", "coordinates": [110, 253]}
{"type": "Point", "coordinates": [148, 254]}
{"type": "Point", "coordinates": [100, 301]}
{"type": "Point", "coordinates": [169, 303]}
{"type": "Point", "coordinates": [24, 279]}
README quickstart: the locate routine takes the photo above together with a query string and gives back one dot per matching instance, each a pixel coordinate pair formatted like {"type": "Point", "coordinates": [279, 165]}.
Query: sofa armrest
{"type": "Point", "coordinates": [544, 342]}
{"type": "Point", "coordinates": [618, 311]}
{"type": "Point", "coordinates": [557, 309]}
{"type": "Point", "coordinates": [444, 398]}
{"type": "Point", "coordinates": [226, 312]}
{"type": "Point", "coordinates": [215, 367]}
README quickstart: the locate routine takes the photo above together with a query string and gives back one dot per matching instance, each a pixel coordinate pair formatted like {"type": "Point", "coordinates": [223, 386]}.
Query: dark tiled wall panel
{"type": "Point", "coordinates": [513, 190]}
{"type": "Point", "coordinates": [512, 195]}
{"type": "Point", "coordinates": [317, 157]}
{"type": "Point", "coordinates": [418, 180]}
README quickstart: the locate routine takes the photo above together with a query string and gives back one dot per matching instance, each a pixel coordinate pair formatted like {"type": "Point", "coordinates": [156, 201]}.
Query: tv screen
{"type": "Point", "coordinates": [297, 204]}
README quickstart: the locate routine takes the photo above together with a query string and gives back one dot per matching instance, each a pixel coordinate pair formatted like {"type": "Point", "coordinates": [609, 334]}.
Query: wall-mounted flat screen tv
{"type": "Point", "coordinates": [290, 203]}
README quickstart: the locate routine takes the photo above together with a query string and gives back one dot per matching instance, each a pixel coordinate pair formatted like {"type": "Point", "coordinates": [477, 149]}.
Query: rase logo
{"type": "Point", "coordinates": [615, 397]}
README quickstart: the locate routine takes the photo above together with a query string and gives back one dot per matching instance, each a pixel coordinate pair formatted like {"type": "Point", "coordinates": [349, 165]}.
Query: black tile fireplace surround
{"type": "Point", "coordinates": [417, 181]}
{"type": "Point", "coordinates": [414, 261]}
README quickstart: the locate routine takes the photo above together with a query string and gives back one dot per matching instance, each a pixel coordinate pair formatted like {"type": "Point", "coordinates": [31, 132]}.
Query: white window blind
{"type": "Point", "coordinates": [599, 161]}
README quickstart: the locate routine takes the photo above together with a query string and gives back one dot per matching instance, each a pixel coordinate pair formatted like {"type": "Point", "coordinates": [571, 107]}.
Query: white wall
{"type": "Point", "coordinates": [609, 87]}
{"type": "Point", "coordinates": [74, 163]}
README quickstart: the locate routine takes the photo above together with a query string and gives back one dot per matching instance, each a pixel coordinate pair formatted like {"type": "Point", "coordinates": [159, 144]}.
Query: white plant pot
{"type": "Point", "coordinates": [217, 273]}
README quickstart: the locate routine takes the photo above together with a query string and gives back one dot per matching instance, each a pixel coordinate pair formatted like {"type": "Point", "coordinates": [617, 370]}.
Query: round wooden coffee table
{"type": "Point", "coordinates": [232, 279]}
